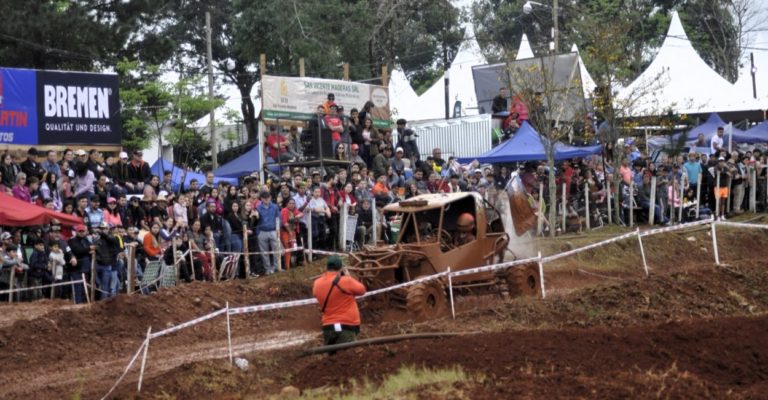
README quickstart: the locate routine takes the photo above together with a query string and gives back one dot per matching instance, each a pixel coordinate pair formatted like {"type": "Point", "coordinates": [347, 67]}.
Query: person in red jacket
{"type": "Point", "coordinates": [335, 293]}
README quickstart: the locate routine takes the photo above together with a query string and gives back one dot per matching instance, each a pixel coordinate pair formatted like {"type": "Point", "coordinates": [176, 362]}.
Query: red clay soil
{"type": "Point", "coordinates": [54, 352]}
{"type": "Point", "coordinates": [692, 359]}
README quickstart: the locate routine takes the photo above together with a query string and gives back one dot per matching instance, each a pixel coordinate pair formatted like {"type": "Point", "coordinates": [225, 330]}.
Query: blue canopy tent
{"type": "Point", "coordinates": [709, 129]}
{"type": "Point", "coordinates": [758, 134]}
{"type": "Point", "coordinates": [243, 165]}
{"type": "Point", "coordinates": [177, 175]}
{"type": "Point", "coordinates": [527, 145]}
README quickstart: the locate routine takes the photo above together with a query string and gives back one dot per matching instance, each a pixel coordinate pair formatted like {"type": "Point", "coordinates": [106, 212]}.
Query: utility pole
{"type": "Point", "coordinates": [447, 80]}
{"type": "Point", "coordinates": [555, 30]}
{"type": "Point", "coordinates": [754, 72]}
{"type": "Point", "coordinates": [211, 123]}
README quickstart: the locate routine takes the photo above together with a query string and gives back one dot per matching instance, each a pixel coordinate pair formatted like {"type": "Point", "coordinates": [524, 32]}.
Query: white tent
{"type": "Point", "coordinates": [462, 83]}
{"type": "Point", "coordinates": [680, 80]}
{"type": "Point", "coordinates": [524, 51]}
{"type": "Point", "coordinates": [401, 94]}
{"type": "Point", "coordinates": [431, 104]}
{"type": "Point", "coordinates": [586, 79]}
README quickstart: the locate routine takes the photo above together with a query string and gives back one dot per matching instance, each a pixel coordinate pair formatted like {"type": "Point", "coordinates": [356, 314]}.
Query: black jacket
{"type": "Point", "coordinates": [107, 247]}
{"type": "Point", "coordinates": [32, 168]}
{"type": "Point", "coordinates": [81, 250]}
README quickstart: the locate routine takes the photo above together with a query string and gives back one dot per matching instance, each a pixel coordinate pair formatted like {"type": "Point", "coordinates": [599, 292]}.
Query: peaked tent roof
{"type": "Point", "coordinates": [462, 84]}
{"type": "Point", "coordinates": [243, 165]}
{"type": "Point", "coordinates": [524, 51]}
{"type": "Point", "coordinates": [587, 82]}
{"type": "Point", "coordinates": [709, 129]}
{"type": "Point", "coordinates": [178, 177]}
{"type": "Point", "coordinates": [401, 94]}
{"type": "Point", "coordinates": [679, 79]}
{"type": "Point", "coordinates": [15, 212]}
{"type": "Point", "coordinates": [527, 145]}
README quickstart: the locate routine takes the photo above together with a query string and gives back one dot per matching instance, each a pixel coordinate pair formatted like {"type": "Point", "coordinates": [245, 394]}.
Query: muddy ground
{"type": "Point", "coordinates": [605, 330]}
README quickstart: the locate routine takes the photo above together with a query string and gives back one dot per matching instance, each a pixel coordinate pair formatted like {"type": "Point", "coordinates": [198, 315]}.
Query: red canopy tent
{"type": "Point", "coordinates": [15, 212]}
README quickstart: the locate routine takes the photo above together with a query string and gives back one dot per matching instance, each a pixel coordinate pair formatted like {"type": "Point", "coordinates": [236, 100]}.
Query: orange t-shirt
{"type": "Point", "coordinates": [342, 307]}
{"type": "Point", "coordinates": [149, 246]}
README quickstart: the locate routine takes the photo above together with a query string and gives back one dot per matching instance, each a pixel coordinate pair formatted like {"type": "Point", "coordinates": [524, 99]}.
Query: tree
{"type": "Point", "coordinates": [157, 110]}
{"type": "Point", "coordinates": [718, 31]}
{"type": "Point", "coordinates": [79, 35]}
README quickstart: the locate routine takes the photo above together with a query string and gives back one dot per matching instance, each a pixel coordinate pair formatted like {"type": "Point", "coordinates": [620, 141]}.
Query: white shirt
{"type": "Point", "coordinates": [717, 143]}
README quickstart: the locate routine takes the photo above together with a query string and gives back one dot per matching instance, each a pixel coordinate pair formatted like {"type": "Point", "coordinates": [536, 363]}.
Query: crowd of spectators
{"type": "Point", "coordinates": [121, 202]}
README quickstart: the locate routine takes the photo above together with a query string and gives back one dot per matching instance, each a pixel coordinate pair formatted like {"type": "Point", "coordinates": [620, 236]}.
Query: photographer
{"type": "Point", "coordinates": [335, 292]}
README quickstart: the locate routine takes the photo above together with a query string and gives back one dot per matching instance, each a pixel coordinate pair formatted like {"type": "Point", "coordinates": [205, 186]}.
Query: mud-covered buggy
{"type": "Point", "coordinates": [431, 239]}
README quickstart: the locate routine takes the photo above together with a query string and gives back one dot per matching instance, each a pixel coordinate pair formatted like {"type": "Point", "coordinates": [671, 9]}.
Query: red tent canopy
{"type": "Point", "coordinates": [15, 212]}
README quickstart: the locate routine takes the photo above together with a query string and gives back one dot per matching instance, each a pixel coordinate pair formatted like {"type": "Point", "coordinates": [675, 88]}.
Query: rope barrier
{"type": "Point", "coordinates": [79, 281]}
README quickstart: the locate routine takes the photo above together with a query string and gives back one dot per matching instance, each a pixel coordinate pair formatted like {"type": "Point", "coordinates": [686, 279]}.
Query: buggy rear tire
{"type": "Point", "coordinates": [427, 300]}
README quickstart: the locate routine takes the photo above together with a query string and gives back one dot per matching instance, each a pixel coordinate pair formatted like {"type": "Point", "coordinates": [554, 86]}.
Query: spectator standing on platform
{"type": "Point", "coordinates": [500, 102]}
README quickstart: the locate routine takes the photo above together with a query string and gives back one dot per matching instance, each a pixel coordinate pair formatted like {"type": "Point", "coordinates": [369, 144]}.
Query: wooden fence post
{"type": "Point", "coordinates": [586, 203]}
{"type": "Point", "coordinates": [565, 207]}
{"type": "Point", "coordinates": [246, 254]}
{"type": "Point", "coordinates": [652, 205]}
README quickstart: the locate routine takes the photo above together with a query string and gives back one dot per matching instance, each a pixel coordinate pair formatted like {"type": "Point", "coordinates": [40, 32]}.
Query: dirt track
{"type": "Point", "coordinates": [86, 348]}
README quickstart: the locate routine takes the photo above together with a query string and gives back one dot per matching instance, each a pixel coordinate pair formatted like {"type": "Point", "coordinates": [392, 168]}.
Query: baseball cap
{"type": "Point", "coordinates": [81, 228]}
{"type": "Point", "coordinates": [721, 159]}
{"type": "Point", "coordinates": [334, 263]}
{"type": "Point", "coordinates": [399, 150]}
{"type": "Point", "coordinates": [5, 236]}
{"type": "Point", "coordinates": [111, 200]}
{"type": "Point", "coordinates": [138, 153]}
{"type": "Point", "coordinates": [80, 152]}
{"type": "Point", "coordinates": [123, 155]}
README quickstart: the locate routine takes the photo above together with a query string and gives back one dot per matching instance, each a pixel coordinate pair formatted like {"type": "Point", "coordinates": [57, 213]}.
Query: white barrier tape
{"type": "Point", "coordinates": [78, 282]}
{"type": "Point", "coordinates": [405, 284]}
{"type": "Point", "coordinates": [587, 247]}
{"type": "Point", "coordinates": [676, 227]}
{"type": "Point", "coordinates": [494, 267]}
{"type": "Point", "coordinates": [253, 253]}
{"type": "Point", "coordinates": [323, 252]}
{"type": "Point", "coordinates": [271, 306]}
{"type": "Point", "coordinates": [187, 324]}
{"type": "Point", "coordinates": [128, 368]}
{"type": "Point", "coordinates": [742, 225]}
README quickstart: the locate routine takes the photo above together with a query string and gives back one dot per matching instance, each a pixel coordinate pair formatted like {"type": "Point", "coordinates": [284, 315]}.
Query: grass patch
{"type": "Point", "coordinates": [408, 383]}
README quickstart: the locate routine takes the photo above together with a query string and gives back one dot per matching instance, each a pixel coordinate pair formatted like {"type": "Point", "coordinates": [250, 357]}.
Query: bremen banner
{"type": "Point", "coordinates": [298, 98]}
{"type": "Point", "coordinates": [58, 108]}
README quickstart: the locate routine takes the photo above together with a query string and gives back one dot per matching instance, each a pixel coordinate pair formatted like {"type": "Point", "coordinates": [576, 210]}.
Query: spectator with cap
{"type": "Point", "coordinates": [119, 172]}
{"type": "Point", "coordinates": [111, 214]}
{"type": "Point", "coordinates": [354, 156]}
{"type": "Point", "coordinates": [266, 232]}
{"type": "Point", "coordinates": [30, 166]}
{"type": "Point", "coordinates": [81, 248]}
{"type": "Point", "coordinates": [50, 164]}
{"type": "Point", "coordinates": [212, 220]}
{"type": "Point", "coordinates": [38, 268]}
{"type": "Point", "coordinates": [107, 248]}
{"type": "Point", "coordinates": [95, 212]}
{"type": "Point", "coordinates": [335, 292]}
{"type": "Point", "coordinates": [138, 173]}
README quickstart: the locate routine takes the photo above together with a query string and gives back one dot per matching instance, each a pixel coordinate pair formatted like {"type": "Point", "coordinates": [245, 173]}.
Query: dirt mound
{"type": "Point", "coordinates": [705, 358]}
{"type": "Point", "coordinates": [113, 326]}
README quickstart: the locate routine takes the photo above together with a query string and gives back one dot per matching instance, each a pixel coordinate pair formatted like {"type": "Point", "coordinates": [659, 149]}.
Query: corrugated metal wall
{"type": "Point", "coordinates": [460, 137]}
